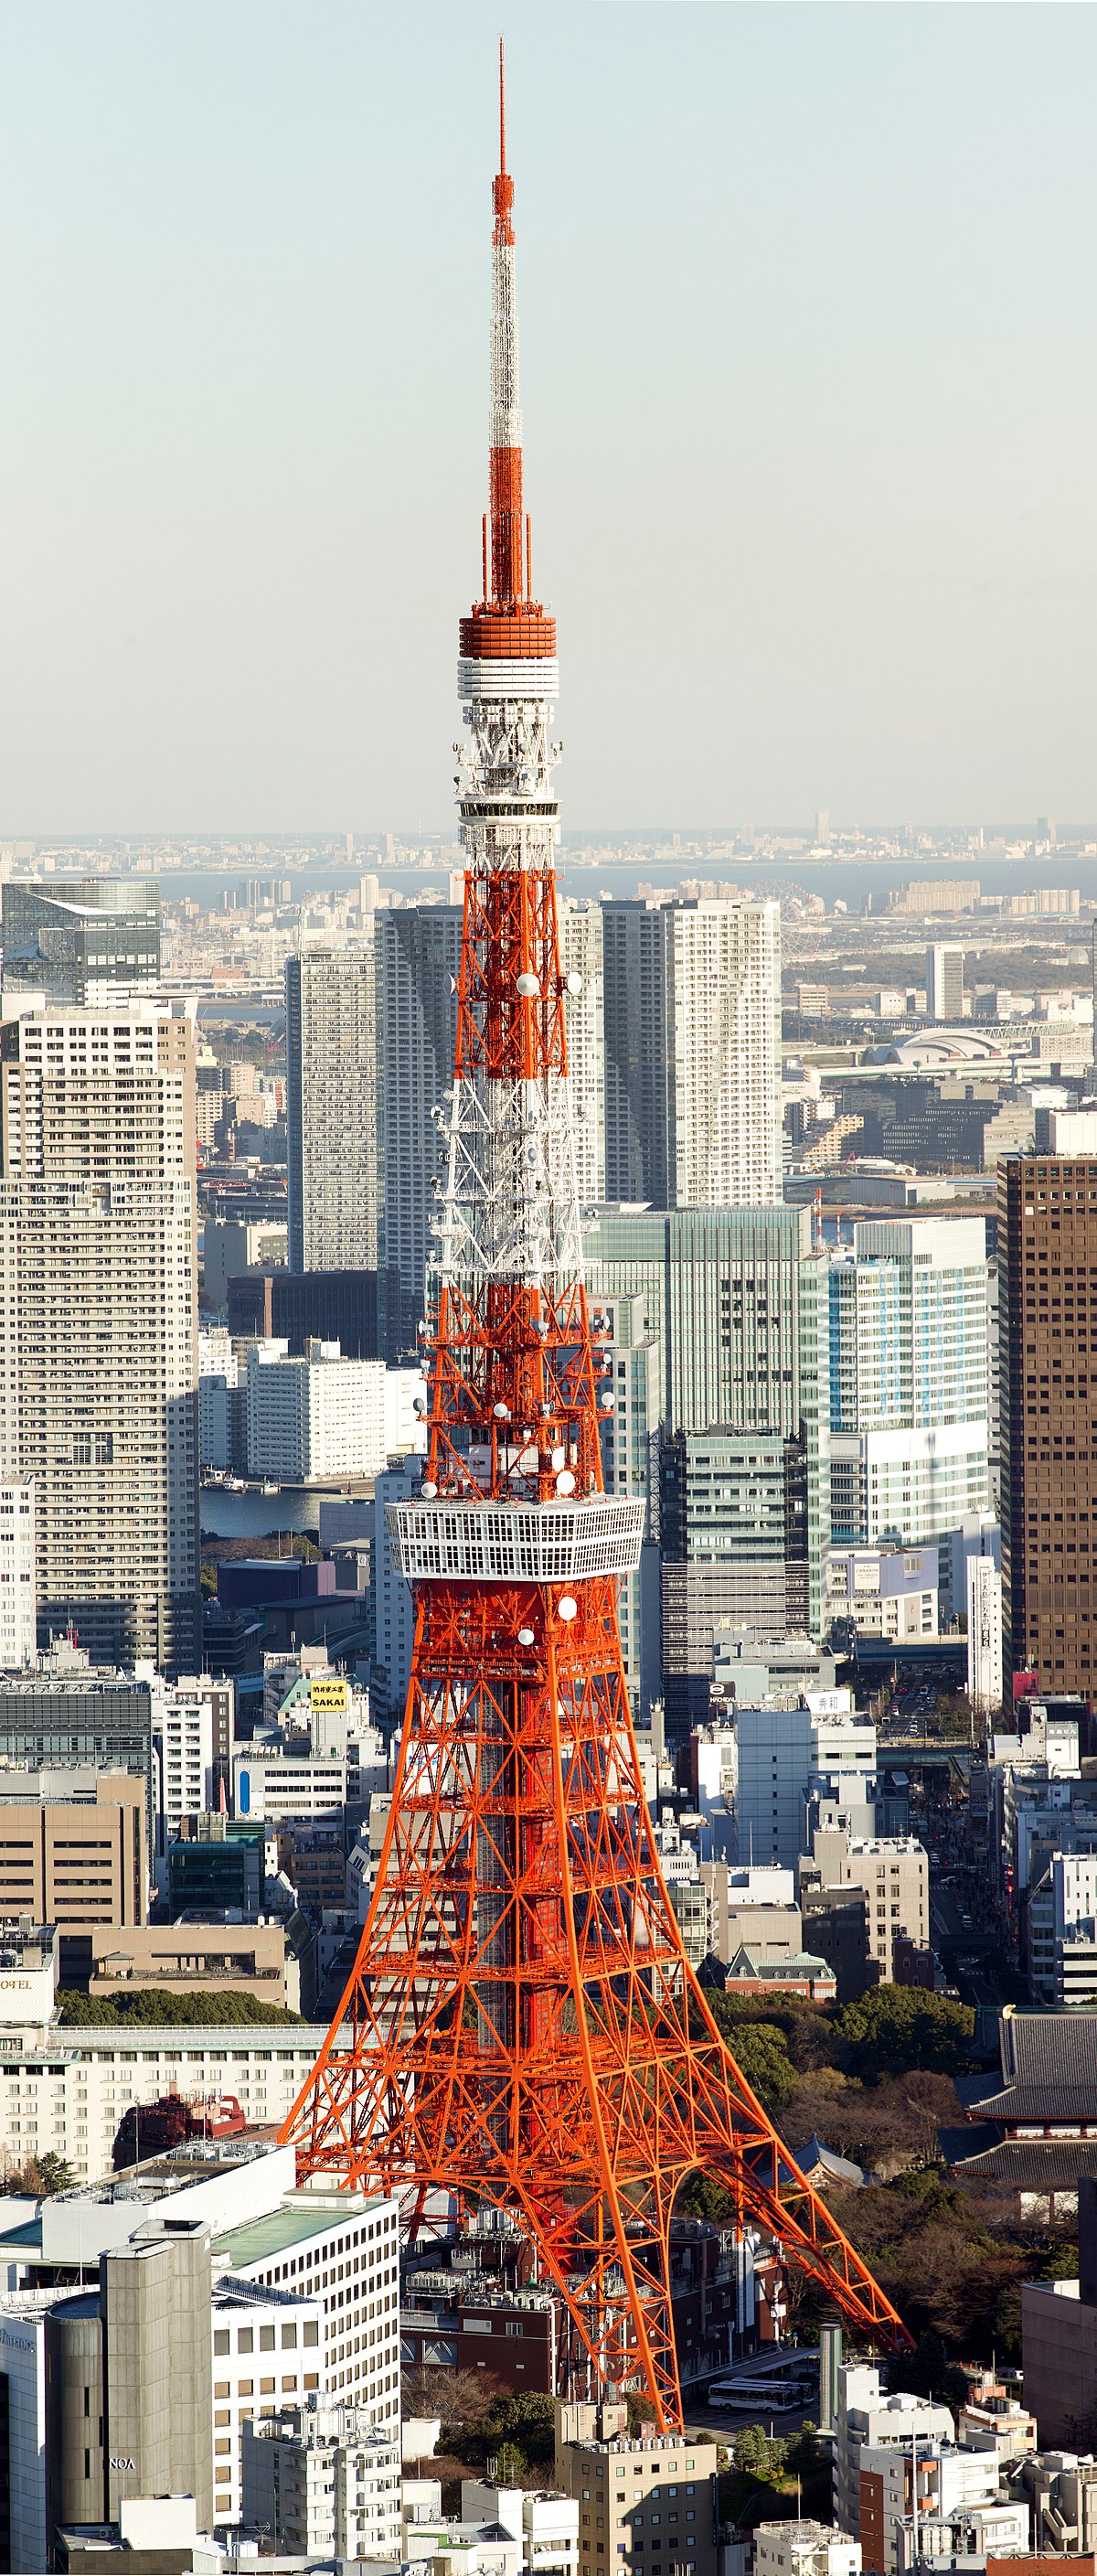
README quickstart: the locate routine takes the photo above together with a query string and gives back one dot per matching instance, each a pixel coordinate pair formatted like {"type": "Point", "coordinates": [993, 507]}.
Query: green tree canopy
{"type": "Point", "coordinates": [761, 2050]}
{"type": "Point", "coordinates": [895, 2027]}
{"type": "Point", "coordinates": [157, 2004]}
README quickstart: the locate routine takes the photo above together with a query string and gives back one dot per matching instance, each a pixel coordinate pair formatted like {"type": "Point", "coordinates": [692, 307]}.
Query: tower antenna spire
{"type": "Point", "coordinates": [502, 113]}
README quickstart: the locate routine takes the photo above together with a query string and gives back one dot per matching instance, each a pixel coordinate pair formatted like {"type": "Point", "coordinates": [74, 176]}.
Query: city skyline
{"type": "Point", "coordinates": [803, 286]}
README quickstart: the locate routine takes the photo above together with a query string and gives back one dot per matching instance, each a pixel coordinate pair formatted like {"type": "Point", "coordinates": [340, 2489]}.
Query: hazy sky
{"type": "Point", "coordinates": [807, 306]}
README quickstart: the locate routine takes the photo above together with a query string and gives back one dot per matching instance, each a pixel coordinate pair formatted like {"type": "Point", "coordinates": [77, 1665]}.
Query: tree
{"type": "Point", "coordinates": [54, 2175]}
{"type": "Point", "coordinates": [528, 2420]}
{"type": "Point", "coordinates": [702, 2197]}
{"type": "Point", "coordinates": [154, 2005]}
{"type": "Point", "coordinates": [895, 2028]}
{"type": "Point", "coordinates": [756, 2454]}
{"type": "Point", "coordinates": [455, 2396]}
{"type": "Point", "coordinates": [508, 2465]}
{"type": "Point", "coordinates": [930, 2104]}
{"type": "Point", "coordinates": [761, 2052]}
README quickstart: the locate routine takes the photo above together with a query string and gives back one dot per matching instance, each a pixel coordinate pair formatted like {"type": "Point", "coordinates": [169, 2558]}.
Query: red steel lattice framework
{"type": "Point", "coordinates": [522, 2027]}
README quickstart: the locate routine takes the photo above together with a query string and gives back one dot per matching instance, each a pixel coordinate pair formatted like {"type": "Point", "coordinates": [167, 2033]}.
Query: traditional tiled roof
{"type": "Point", "coordinates": [1049, 2068]}
{"type": "Point", "coordinates": [1070, 2102]}
{"type": "Point", "coordinates": [1049, 2048]}
{"type": "Point", "coordinates": [816, 2159]}
{"type": "Point", "coordinates": [1053, 2167]}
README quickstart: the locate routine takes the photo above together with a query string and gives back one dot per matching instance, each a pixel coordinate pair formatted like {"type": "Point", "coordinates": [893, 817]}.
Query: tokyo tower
{"type": "Point", "coordinates": [522, 2029]}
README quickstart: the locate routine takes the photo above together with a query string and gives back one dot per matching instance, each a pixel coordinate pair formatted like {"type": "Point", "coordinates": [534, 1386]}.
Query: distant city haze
{"type": "Point", "coordinates": [808, 384]}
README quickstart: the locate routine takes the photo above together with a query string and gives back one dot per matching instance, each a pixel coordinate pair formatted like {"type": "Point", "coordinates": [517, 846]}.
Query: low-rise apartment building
{"type": "Point", "coordinates": [321, 2478]}
{"type": "Point", "coordinates": [647, 2502]}
{"type": "Point", "coordinates": [892, 1873]}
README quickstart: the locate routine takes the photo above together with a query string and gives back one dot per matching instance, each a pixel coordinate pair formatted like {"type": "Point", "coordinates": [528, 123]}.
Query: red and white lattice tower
{"type": "Point", "coordinates": [522, 2028]}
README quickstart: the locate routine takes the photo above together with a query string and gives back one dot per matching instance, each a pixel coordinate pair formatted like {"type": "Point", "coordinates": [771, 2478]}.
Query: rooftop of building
{"type": "Point", "coordinates": [20, 1938]}
{"type": "Point", "coordinates": [907, 1846]}
{"type": "Point", "coordinates": [1042, 2048]}
{"type": "Point", "coordinates": [312, 2428]}
{"type": "Point", "coordinates": [801, 1965]}
{"type": "Point", "coordinates": [816, 2159]}
{"type": "Point", "coordinates": [799, 2535]}
{"type": "Point", "coordinates": [645, 2442]}
{"type": "Point", "coordinates": [230, 2293]}
{"type": "Point", "coordinates": [306, 2215]}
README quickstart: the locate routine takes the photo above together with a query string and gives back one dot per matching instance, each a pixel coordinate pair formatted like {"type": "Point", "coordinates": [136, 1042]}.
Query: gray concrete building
{"type": "Point", "coordinates": [418, 962]}
{"type": "Point", "coordinates": [331, 1109]}
{"type": "Point", "coordinates": [129, 2382]}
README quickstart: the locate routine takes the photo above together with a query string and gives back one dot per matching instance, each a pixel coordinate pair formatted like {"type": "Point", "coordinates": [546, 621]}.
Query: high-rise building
{"type": "Point", "coordinates": [1047, 1273]}
{"type": "Point", "coordinates": [18, 1593]}
{"type": "Point", "coordinates": [631, 2483]}
{"type": "Point", "coordinates": [66, 1709]}
{"type": "Point", "coordinates": [581, 959]}
{"type": "Point", "coordinates": [98, 1320]}
{"type": "Point", "coordinates": [723, 1290]}
{"type": "Point", "coordinates": [88, 941]}
{"type": "Point", "coordinates": [192, 1728]}
{"type": "Point", "coordinates": [782, 1751]}
{"type": "Point", "coordinates": [630, 1464]}
{"type": "Point", "coordinates": [944, 983]}
{"type": "Point", "coordinates": [206, 2261]}
{"type": "Point", "coordinates": [331, 1109]}
{"type": "Point", "coordinates": [734, 1301]}
{"type": "Point", "coordinates": [909, 1380]}
{"type": "Point", "coordinates": [73, 1850]}
{"type": "Point", "coordinates": [128, 2373]}
{"type": "Point", "coordinates": [892, 1873]}
{"type": "Point", "coordinates": [984, 1633]}
{"type": "Point", "coordinates": [418, 962]}
{"type": "Point", "coordinates": [693, 1052]}
{"type": "Point", "coordinates": [735, 1535]}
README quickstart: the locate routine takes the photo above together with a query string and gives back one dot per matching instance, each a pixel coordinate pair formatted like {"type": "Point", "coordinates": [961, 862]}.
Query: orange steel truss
{"type": "Point", "coordinates": [522, 2028]}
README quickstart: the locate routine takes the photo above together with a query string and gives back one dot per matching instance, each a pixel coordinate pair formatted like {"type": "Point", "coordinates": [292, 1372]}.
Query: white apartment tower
{"type": "Point", "coordinates": [317, 1416]}
{"type": "Point", "coordinates": [18, 1593]}
{"type": "Point", "coordinates": [909, 1380]}
{"type": "Point", "coordinates": [693, 1053]}
{"type": "Point", "coordinates": [331, 1109]}
{"type": "Point", "coordinates": [944, 983]}
{"type": "Point", "coordinates": [782, 1751]}
{"type": "Point", "coordinates": [581, 960]}
{"type": "Point", "coordinates": [98, 1320]}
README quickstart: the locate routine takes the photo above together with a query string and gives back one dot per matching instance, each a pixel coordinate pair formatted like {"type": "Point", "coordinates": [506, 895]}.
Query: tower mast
{"type": "Point", "coordinates": [521, 2028]}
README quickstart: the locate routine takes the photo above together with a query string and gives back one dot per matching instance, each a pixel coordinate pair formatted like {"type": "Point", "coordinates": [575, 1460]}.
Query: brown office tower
{"type": "Point", "coordinates": [1047, 1259]}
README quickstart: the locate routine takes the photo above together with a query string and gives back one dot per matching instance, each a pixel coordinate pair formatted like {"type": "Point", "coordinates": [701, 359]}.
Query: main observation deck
{"type": "Point", "coordinates": [516, 1542]}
